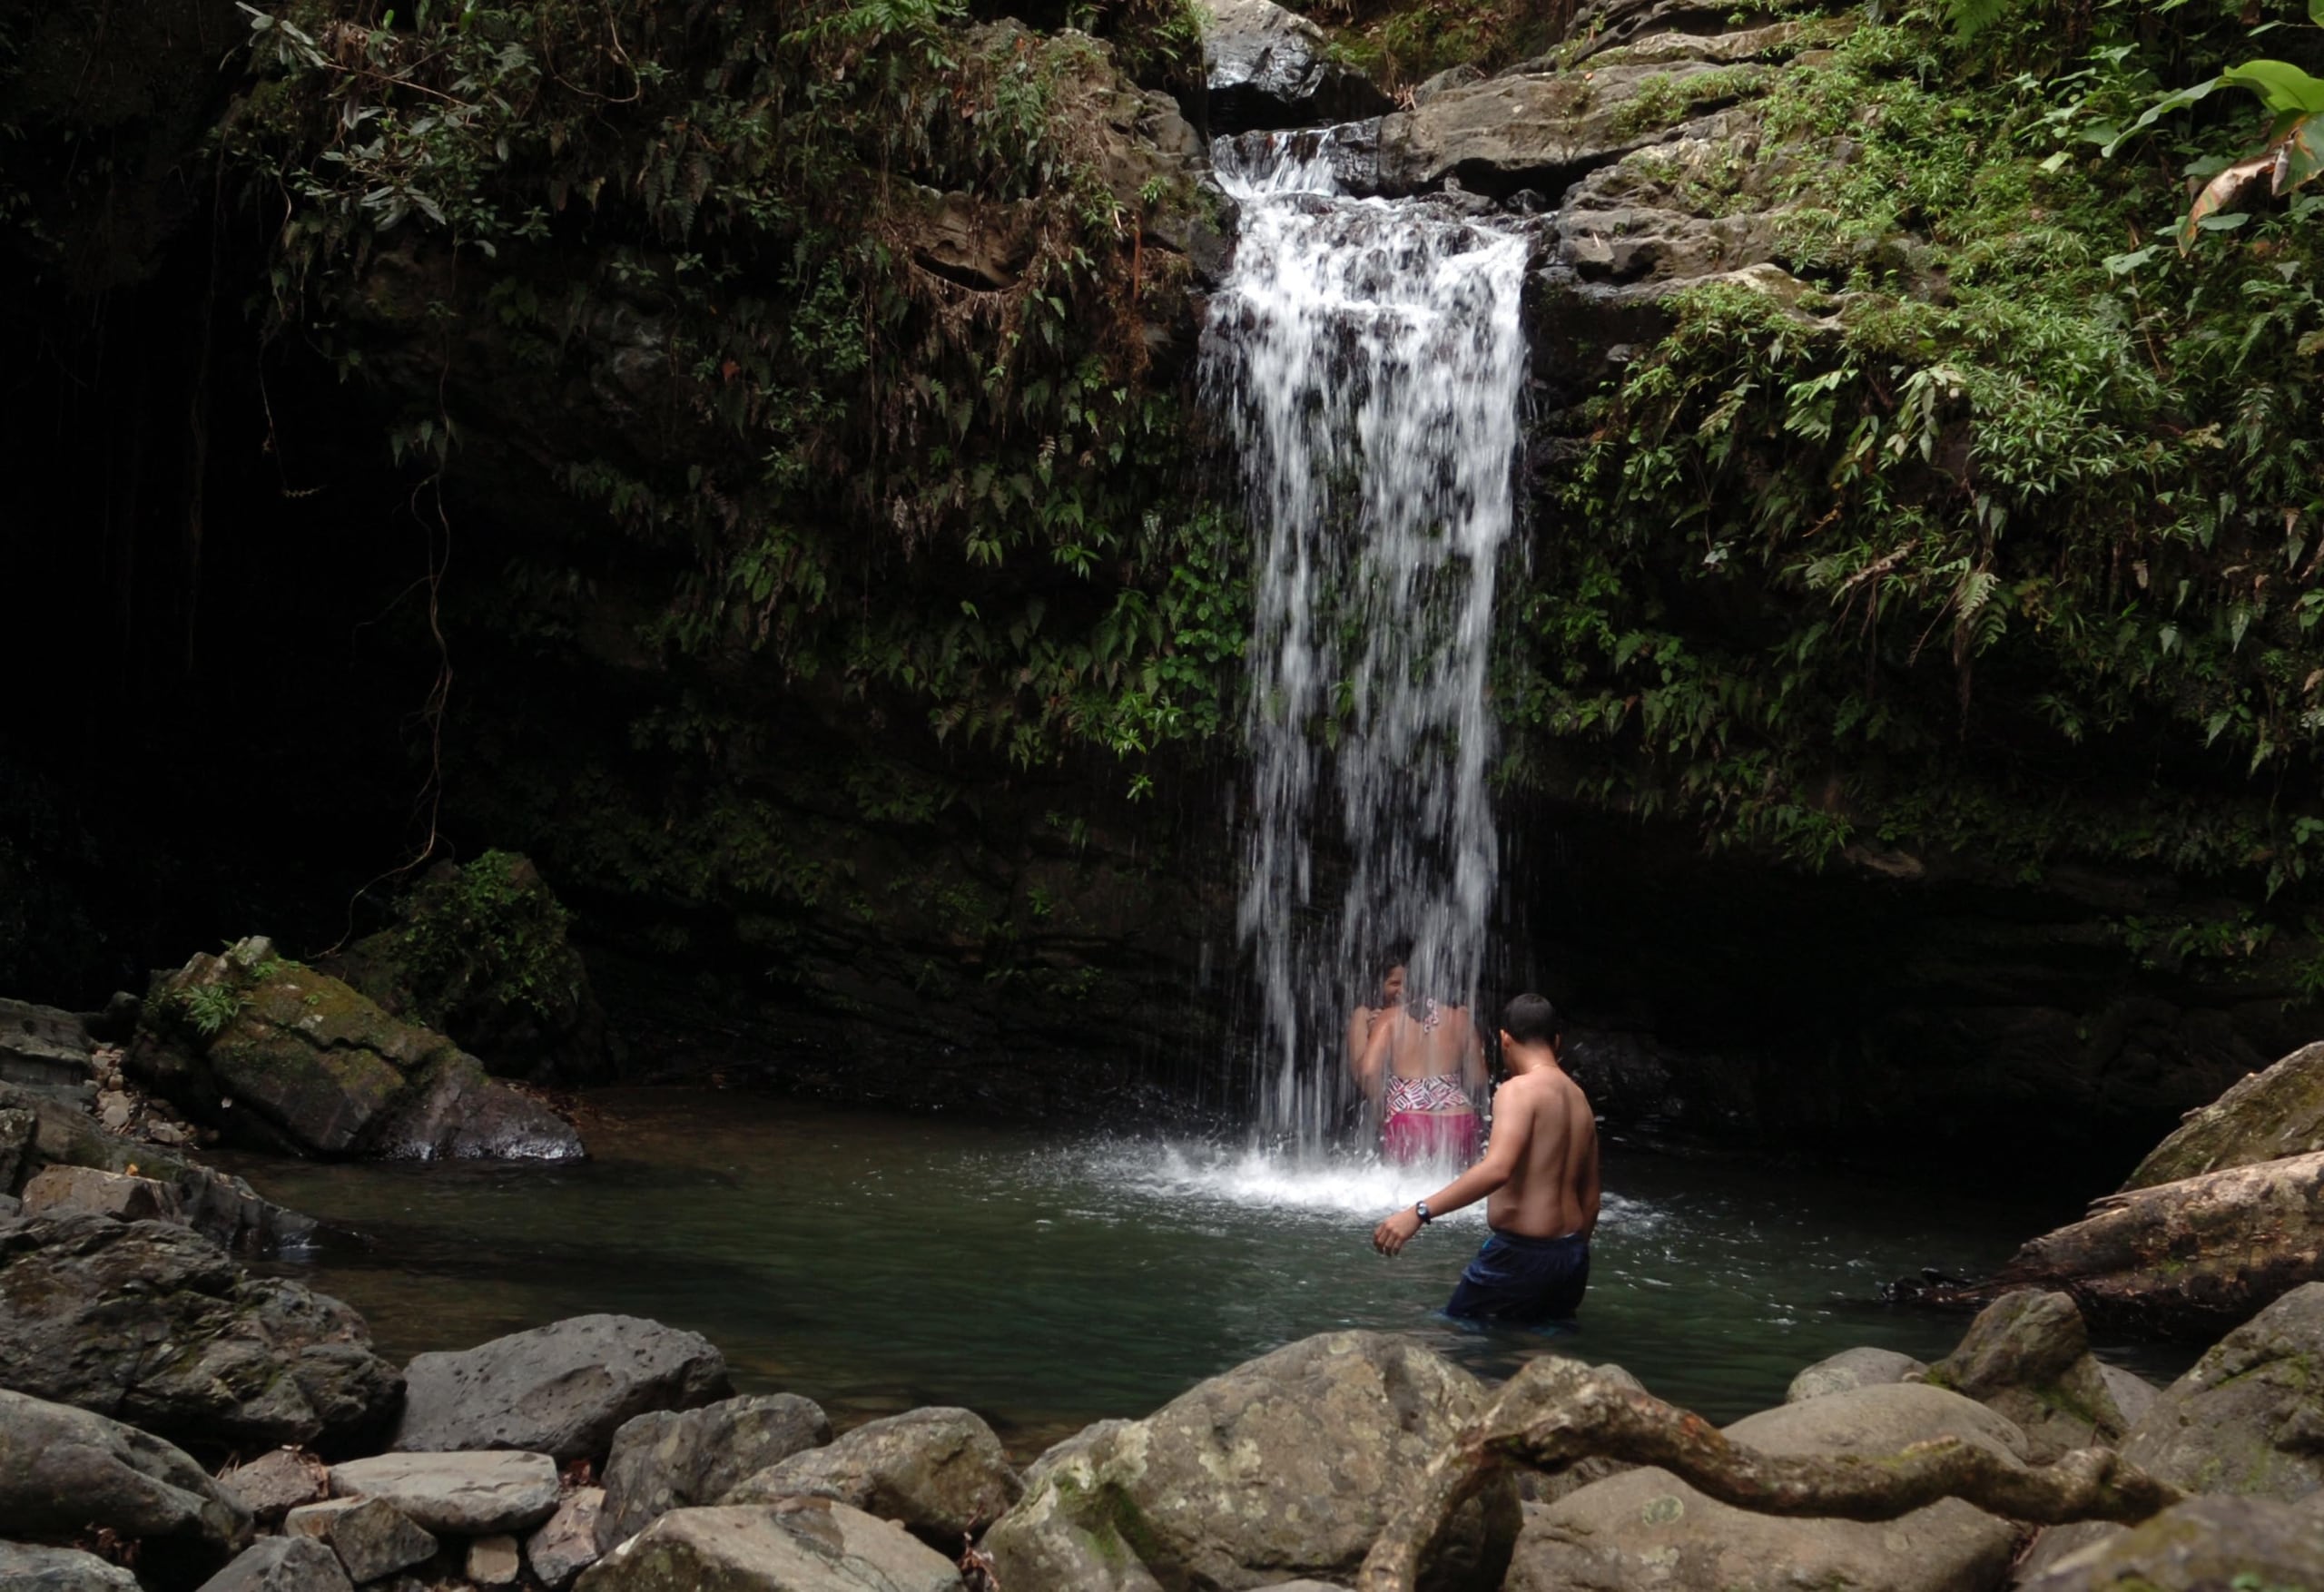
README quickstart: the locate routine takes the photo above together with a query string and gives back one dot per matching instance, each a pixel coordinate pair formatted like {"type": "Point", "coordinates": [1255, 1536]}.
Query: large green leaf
{"type": "Point", "coordinates": [2285, 87]}
{"type": "Point", "coordinates": [2301, 151]}
{"type": "Point", "coordinates": [2222, 190]}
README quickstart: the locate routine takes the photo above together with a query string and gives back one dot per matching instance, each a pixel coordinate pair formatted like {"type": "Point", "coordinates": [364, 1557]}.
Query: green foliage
{"type": "Point", "coordinates": [487, 935]}
{"type": "Point", "coordinates": [1991, 538]}
{"type": "Point", "coordinates": [209, 1008]}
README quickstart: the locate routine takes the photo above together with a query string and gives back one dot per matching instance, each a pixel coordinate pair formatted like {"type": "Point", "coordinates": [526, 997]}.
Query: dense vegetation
{"type": "Point", "coordinates": [2004, 538]}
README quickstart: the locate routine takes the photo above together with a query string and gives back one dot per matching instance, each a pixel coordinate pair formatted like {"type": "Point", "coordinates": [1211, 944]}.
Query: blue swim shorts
{"type": "Point", "coordinates": [1525, 1280]}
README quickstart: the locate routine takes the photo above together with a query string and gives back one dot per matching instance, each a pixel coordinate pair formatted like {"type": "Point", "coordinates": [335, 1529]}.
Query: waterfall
{"type": "Point", "coordinates": [1367, 357]}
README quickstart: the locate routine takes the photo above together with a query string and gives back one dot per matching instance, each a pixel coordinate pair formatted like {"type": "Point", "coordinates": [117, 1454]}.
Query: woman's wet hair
{"type": "Point", "coordinates": [1530, 1019]}
{"type": "Point", "coordinates": [1396, 956]}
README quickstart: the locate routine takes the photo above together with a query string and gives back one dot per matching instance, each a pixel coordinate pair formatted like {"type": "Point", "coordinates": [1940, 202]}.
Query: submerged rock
{"type": "Point", "coordinates": [63, 1471]}
{"type": "Point", "coordinates": [563, 1390]}
{"type": "Point", "coordinates": [1283, 1466]}
{"type": "Point", "coordinates": [807, 1545]}
{"type": "Point", "coordinates": [280, 1058]}
{"type": "Point", "coordinates": [2265, 1116]}
{"type": "Point", "coordinates": [665, 1459]}
{"type": "Point", "coordinates": [1647, 1529]}
{"type": "Point", "coordinates": [152, 1323]}
{"type": "Point", "coordinates": [941, 1473]}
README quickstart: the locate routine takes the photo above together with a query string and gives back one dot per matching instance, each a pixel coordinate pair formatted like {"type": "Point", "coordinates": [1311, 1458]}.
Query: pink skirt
{"type": "Point", "coordinates": [1422, 1135]}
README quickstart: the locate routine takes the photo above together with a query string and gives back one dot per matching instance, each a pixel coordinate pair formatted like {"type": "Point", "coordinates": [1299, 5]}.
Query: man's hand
{"type": "Point", "coordinates": [1393, 1234]}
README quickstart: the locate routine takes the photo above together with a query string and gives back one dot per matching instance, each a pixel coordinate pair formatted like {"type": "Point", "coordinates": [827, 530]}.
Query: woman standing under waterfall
{"type": "Point", "coordinates": [1422, 1066]}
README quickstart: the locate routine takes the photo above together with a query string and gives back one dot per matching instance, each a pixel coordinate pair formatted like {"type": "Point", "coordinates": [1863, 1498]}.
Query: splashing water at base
{"type": "Point", "coordinates": [1368, 357]}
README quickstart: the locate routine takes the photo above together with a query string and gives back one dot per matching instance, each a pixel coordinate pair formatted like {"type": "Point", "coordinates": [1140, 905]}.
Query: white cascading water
{"type": "Point", "coordinates": [1368, 357]}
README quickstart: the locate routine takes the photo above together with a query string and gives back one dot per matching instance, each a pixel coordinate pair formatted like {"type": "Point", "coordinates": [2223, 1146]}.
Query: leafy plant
{"type": "Point", "coordinates": [209, 1008]}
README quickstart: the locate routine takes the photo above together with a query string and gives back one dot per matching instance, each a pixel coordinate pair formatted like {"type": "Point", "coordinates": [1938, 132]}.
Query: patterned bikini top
{"type": "Point", "coordinates": [1437, 1092]}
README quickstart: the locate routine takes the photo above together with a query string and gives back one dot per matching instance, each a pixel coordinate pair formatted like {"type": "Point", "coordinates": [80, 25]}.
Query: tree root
{"type": "Point", "coordinates": [1555, 1413]}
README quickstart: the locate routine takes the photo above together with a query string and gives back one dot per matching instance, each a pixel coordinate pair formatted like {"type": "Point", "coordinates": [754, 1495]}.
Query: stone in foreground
{"type": "Point", "coordinates": [562, 1390]}
{"type": "Point", "coordinates": [2199, 1545]}
{"type": "Point", "coordinates": [939, 1472]}
{"type": "Point", "coordinates": [1282, 1467]}
{"type": "Point", "coordinates": [808, 1545]}
{"type": "Point", "coordinates": [673, 1459]}
{"type": "Point", "coordinates": [372, 1536]}
{"type": "Point", "coordinates": [277, 1481]}
{"type": "Point", "coordinates": [63, 1469]}
{"type": "Point", "coordinates": [83, 1191]}
{"type": "Point", "coordinates": [457, 1494]}
{"type": "Point", "coordinates": [254, 1361]}
{"type": "Point", "coordinates": [27, 1568]}
{"type": "Point", "coordinates": [2027, 1357]}
{"type": "Point", "coordinates": [495, 1561]}
{"type": "Point", "coordinates": [1646, 1528]}
{"type": "Point", "coordinates": [282, 1564]}
{"type": "Point", "coordinates": [1850, 1369]}
{"type": "Point", "coordinates": [567, 1545]}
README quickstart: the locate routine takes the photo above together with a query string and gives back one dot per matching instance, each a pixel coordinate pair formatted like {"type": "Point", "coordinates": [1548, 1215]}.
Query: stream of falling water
{"type": "Point", "coordinates": [1367, 356]}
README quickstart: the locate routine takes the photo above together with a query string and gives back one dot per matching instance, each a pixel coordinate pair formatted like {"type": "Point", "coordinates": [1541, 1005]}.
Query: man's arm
{"type": "Point", "coordinates": [1512, 1129]}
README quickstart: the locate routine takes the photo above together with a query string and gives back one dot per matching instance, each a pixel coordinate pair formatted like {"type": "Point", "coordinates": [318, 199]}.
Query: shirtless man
{"type": "Point", "coordinates": [1539, 1179]}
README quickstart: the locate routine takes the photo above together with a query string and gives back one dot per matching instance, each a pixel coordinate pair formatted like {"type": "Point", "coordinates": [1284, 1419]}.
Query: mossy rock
{"type": "Point", "coordinates": [2265, 1116]}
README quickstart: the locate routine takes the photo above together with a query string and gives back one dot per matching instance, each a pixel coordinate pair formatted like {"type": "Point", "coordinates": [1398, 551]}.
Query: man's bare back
{"type": "Point", "coordinates": [1538, 1178]}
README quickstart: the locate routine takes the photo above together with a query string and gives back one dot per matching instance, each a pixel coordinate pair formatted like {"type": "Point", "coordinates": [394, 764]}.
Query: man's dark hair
{"type": "Point", "coordinates": [1530, 1019]}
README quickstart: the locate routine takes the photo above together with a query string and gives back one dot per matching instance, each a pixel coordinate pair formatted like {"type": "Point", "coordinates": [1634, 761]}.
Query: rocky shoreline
{"type": "Point", "coordinates": [168, 1419]}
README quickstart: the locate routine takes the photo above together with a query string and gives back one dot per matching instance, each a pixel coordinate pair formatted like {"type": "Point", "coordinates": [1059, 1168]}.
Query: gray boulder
{"type": "Point", "coordinates": [562, 1390]}
{"type": "Point", "coordinates": [669, 1459]}
{"type": "Point", "coordinates": [225, 1210]}
{"type": "Point", "coordinates": [27, 1568]}
{"type": "Point", "coordinates": [2201, 1546]}
{"type": "Point", "coordinates": [83, 1191]}
{"type": "Point", "coordinates": [2263, 1117]}
{"type": "Point", "coordinates": [1280, 1468]}
{"type": "Point", "coordinates": [567, 1545]}
{"type": "Point", "coordinates": [1645, 1528]}
{"type": "Point", "coordinates": [280, 1058]}
{"type": "Point", "coordinates": [277, 1482]}
{"type": "Point", "coordinates": [282, 1564]}
{"type": "Point", "coordinates": [2027, 1356]}
{"type": "Point", "coordinates": [1268, 67]}
{"type": "Point", "coordinates": [17, 1129]}
{"type": "Point", "coordinates": [807, 1545]}
{"type": "Point", "coordinates": [941, 1473]}
{"type": "Point", "coordinates": [63, 1469]}
{"type": "Point", "coordinates": [1850, 1369]}
{"type": "Point", "coordinates": [253, 1362]}
{"type": "Point", "coordinates": [2248, 1420]}
{"type": "Point", "coordinates": [42, 1046]}
{"type": "Point", "coordinates": [457, 1494]}
{"type": "Point", "coordinates": [372, 1536]}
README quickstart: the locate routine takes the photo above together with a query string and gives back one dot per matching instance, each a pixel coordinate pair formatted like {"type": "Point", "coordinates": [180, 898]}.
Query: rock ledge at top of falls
{"type": "Point", "coordinates": [1268, 67]}
{"type": "Point", "coordinates": [280, 1058]}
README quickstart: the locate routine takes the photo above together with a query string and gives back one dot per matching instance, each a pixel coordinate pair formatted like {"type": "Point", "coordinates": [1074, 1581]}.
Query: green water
{"type": "Point", "coordinates": [877, 1262]}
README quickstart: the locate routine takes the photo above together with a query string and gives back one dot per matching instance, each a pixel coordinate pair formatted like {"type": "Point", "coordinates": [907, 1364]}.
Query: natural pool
{"type": "Point", "coordinates": [875, 1263]}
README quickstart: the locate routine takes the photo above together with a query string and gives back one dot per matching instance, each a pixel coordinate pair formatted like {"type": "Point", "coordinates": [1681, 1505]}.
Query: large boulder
{"type": "Point", "coordinates": [63, 1471]}
{"type": "Point", "coordinates": [224, 1209]}
{"type": "Point", "coordinates": [1268, 67]}
{"type": "Point", "coordinates": [672, 1460]}
{"type": "Point", "coordinates": [2027, 1356]}
{"type": "Point", "coordinates": [1284, 1467]}
{"type": "Point", "coordinates": [42, 1046]}
{"type": "Point", "coordinates": [1645, 1528]}
{"type": "Point", "coordinates": [25, 1567]}
{"type": "Point", "coordinates": [2189, 1259]}
{"type": "Point", "coordinates": [941, 1473]}
{"type": "Point", "coordinates": [2203, 1545]}
{"type": "Point", "coordinates": [83, 1191]}
{"type": "Point", "coordinates": [152, 1323]}
{"type": "Point", "coordinates": [479, 954]}
{"type": "Point", "coordinates": [457, 1494]}
{"type": "Point", "coordinates": [2263, 1117]}
{"type": "Point", "coordinates": [562, 1390]}
{"type": "Point", "coordinates": [807, 1545]}
{"type": "Point", "coordinates": [280, 1058]}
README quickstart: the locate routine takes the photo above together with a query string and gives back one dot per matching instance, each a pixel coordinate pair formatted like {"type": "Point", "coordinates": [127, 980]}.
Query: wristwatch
{"type": "Point", "coordinates": [1420, 1209]}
